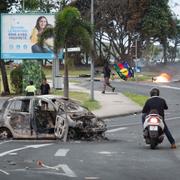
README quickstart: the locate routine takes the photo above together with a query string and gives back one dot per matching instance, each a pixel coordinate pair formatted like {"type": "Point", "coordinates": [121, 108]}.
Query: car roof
{"type": "Point", "coordinates": [38, 96]}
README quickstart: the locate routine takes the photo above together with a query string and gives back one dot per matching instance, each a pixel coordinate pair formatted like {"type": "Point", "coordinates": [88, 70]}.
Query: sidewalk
{"type": "Point", "coordinates": [113, 104]}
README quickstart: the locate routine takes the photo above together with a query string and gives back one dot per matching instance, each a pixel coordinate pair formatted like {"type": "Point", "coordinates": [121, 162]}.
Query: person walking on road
{"type": "Point", "coordinates": [107, 74]}
{"type": "Point", "coordinates": [159, 104]}
{"type": "Point", "coordinates": [45, 88]}
{"type": "Point", "coordinates": [30, 89]}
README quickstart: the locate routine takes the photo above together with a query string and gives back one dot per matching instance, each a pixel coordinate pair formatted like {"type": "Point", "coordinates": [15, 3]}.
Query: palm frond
{"type": "Point", "coordinates": [84, 37]}
{"type": "Point", "coordinates": [48, 33]}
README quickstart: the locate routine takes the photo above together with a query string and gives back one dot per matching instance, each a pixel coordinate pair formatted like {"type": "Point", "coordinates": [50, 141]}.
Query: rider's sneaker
{"type": "Point", "coordinates": [173, 146]}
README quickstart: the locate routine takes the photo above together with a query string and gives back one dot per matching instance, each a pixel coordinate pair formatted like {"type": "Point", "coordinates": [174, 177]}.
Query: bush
{"type": "Point", "coordinates": [32, 71]}
{"type": "Point", "coordinates": [16, 79]}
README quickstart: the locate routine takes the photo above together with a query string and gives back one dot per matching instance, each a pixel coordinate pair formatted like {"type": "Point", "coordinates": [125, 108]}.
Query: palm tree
{"type": "Point", "coordinates": [69, 26]}
{"type": "Point", "coordinates": [4, 77]}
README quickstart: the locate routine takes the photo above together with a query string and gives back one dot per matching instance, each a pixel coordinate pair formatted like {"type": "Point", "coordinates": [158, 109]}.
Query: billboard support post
{"type": "Point", "coordinates": [57, 84]}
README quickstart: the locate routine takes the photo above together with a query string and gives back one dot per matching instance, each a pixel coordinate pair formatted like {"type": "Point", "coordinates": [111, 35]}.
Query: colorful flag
{"type": "Point", "coordinates": [124, 70]}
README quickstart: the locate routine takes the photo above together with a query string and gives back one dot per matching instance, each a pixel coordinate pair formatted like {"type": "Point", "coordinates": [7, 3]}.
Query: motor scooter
{"type": "Point", "coordinates": [153, 130]}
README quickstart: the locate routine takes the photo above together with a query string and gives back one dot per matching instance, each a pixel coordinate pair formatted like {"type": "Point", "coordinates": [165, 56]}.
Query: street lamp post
{"type": "Point", "coordinates": [92, 60]}
{"type": "Point", "coordinates": [136, 54]}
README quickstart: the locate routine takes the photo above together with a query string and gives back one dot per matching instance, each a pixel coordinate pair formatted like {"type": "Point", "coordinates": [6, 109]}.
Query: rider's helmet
{"type": "Point", "coordinates": [154, 92]}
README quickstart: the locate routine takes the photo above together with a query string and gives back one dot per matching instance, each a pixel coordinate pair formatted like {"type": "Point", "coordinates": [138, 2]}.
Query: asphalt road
{"type": "Point", "coordinates": [123, 156]}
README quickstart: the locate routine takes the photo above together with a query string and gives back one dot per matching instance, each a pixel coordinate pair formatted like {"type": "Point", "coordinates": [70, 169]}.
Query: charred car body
{"type": "Point", "coordinates": [48, 116]}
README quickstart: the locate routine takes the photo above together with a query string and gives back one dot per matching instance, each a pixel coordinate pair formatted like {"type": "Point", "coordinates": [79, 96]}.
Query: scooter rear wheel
{"type": "Point", "coordinates": [153, 144]}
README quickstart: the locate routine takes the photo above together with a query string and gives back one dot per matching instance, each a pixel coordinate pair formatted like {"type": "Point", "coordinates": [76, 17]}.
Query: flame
{"type": "Point", "coordinates": [164, 77]}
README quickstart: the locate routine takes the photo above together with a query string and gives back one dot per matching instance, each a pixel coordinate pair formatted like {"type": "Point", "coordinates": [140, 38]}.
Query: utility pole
{"type": "Point", "coordinates": [136, 55]}
{"type": "Point", "coordinates": [92, 60]}
{"type": "Point", "coordinates": [23, 6]}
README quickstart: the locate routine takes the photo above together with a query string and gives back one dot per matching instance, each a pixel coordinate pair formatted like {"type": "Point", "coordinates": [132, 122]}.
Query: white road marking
{"type": "Point", "coordinates": [67, 171]}
{"type": "Point", "coordinates": [130, 124]}
{"type": "Point", "coordinates": [61, 152]}
{"type": "Point", "coordinates": [5, 142]}
{"type": "Point", "coordinates": [45, 172]}
{"type": "Point", "coordinates": [4, 172]}
{"type": "Point", "coordinates": [170, 87]}
{"type": "Point", "coordinates": [13, 154]}
{"type": "Point", "coordinates": [124, 126]}
{"type": "Point", "coordinates": [172, 118]}
{"type": "Point", "coordinates": [116, 129]}
{"type": "Point", "coordinates": [91, 178]}
{"type": "Point", "coordinates": [106, 152]}
{"type": "Point", "coordinates": [161, 86]}
{"type": "Point", "coordinates": [22, 148]}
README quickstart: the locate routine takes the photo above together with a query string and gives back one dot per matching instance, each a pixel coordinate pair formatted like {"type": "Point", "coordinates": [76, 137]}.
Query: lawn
{"type": "Point", "coordinates": [82, 97]}
{"type": "Point", "coordinates": [75, 72]}
{"type": "Point", "coordinates": [137, 98]}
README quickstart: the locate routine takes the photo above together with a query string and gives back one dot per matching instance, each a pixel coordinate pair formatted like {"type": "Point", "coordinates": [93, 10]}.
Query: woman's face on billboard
{"type": "Point", "coordinates": [42, 23]}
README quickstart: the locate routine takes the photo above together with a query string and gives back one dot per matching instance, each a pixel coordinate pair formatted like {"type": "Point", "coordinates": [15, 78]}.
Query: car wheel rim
{"type": "Point", "coordinates": [60, 127]}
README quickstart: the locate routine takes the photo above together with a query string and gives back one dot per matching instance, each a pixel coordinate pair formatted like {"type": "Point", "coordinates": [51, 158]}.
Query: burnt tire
{"type": "Point", "coordinates": [72, 134]}
{"type": "Point", "coordinates": [5, 134]}
{"type": "Point", "coordinates": [101, 124]}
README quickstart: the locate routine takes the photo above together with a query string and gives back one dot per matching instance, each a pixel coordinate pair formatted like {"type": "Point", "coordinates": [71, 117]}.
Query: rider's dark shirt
{"type": "Point", "coordinates": [157, 103]}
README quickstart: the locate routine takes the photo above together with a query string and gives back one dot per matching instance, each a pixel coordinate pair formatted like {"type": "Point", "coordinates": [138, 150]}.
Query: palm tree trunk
{"type": "Point", "coordinates": [4, 77]}
{"type": "Point", "coordinates": [66, 79]}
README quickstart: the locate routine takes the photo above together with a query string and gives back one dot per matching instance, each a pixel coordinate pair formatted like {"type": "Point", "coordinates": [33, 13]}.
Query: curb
{"type": "Point", "coordinates": [119, 115]}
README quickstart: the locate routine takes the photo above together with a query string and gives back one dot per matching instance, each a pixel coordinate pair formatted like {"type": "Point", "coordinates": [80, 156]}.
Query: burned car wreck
{"type": "Point", "coordinates": [47, 116]}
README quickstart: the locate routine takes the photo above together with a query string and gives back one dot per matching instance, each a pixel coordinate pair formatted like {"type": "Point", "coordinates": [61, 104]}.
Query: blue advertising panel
{"type": "Point", "coordinates": [19, 36]}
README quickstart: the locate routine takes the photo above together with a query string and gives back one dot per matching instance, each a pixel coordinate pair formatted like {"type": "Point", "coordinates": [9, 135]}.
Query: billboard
{"type": "Point", "coordinates": [19, 36]}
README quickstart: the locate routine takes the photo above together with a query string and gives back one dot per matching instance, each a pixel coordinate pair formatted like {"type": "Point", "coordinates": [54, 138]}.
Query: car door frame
{"type": "Point", "coordinates": [25, 133]}
{"type": "Point", "coordinates": [42, 135]}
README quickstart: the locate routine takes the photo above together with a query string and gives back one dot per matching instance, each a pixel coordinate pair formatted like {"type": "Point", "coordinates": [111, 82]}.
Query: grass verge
{"type": "Point", "coordinates": [137, 98]}
{"type": "Point", "coordinates": [82, 97]}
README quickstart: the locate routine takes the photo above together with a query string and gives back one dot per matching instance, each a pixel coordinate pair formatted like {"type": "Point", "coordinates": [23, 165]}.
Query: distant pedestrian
{"type": "Point", "coordinates": [107, 74]}
{"type": "Point", "coordinates": [45, 88]}
{"type": "Point", "coordinates": [30, 89]}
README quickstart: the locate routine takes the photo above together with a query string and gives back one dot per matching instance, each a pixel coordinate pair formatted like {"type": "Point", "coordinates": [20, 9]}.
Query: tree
{"type": "Point", "coordinates": [123, 22]}
{"type": "Point", "coordinates": [5, 6]}
{"type": "Point", "coordinates": [69, 27]}
{"type": "Point", "coordinates": [159, 24]}
{"type": "Point", "coordinates": [172, 50]}
{"type": "Point", "coordinates": [116, 25]}
{"type": "Point", "coordinates": [41, 5]}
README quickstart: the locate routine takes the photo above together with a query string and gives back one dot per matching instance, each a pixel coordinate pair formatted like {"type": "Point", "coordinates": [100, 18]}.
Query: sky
{"type": "Point", "coordinates": [175, 6]}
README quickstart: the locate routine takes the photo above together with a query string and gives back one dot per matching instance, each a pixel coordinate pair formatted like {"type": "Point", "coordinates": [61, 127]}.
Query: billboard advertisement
{"type": "Point", "coordinates": [19, 36]}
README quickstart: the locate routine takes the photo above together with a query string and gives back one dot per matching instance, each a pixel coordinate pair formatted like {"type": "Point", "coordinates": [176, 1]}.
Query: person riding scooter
{"type": "Point", "coordinates": [158, 103]}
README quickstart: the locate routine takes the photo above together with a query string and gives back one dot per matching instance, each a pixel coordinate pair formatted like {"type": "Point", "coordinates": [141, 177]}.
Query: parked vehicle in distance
{"type": "Point", "coordinates": [47, 116]}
